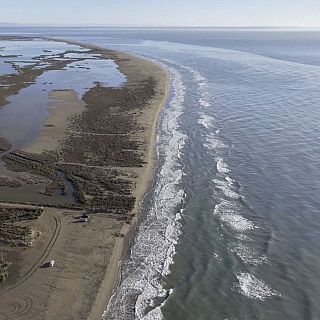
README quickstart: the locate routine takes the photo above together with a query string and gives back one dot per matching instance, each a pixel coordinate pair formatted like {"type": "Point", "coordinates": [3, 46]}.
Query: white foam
{"type": "Point", "coordinates": [248, 255]}
{"type": "Point", "coordinates": [229, 180]}
{"type": "Point", "coordinates": [237, 222]}
{"type": "Point", "coordinates": [213, 143]}
{"type": "Point", "coordinates": [154, 247]}
{"type": "Point", "coordinates": [206, 121]}
{"type": "Point", "coordinates": [204, 102]}
{"type": "Point", "coordinates": [243, 237]}
{"type": "Point", "coordinates": [197, 75]}
{"type": "Point", "coordinates": [205, 99]}
{"type": "Point", "coordinates": [254, 288]}
{"type": "Point", "coordinates": [222, 167]}
{"type": "Point", "coordinates": [226, 189]}
{"type": "Point", "coordinates": [227, 212]}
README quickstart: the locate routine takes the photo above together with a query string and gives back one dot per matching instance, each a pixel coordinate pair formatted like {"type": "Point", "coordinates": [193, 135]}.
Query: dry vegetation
{"type": "Point", "coordinates": [13, 229]}
{"type": "Point", "coordinates": [99, 142]}
{"type": "Point", "coordinates": [102, 148]}
{"type": "Point", "coordinates": [4, 265]}
{"type": "Point", "coordinates": [16, 230]}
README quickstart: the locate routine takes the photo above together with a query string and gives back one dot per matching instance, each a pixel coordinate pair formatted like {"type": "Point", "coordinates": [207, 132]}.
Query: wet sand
{"type": "Point", "coordinates": [87, 255]}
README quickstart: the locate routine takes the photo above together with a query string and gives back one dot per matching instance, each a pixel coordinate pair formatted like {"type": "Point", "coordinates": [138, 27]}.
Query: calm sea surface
{"type": "Point", "coordinates": [231, 226]}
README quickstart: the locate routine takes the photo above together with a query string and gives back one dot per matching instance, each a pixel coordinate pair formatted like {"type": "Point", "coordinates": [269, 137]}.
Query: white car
{"type": "Point", "coordinates": [51, 263]}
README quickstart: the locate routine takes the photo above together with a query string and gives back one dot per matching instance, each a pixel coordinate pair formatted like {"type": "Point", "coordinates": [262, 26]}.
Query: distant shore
{"type": "Point", "coordinates": [87, 256]}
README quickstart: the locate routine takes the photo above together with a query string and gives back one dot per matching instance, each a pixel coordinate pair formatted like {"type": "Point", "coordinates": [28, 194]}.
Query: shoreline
{"type": "Point", "coordinates": [104, 279]}
{"type": "Point", "coordinates": [107, 290]}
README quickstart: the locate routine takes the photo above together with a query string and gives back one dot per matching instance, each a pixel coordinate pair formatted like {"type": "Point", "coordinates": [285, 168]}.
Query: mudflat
{"type": "Point", "coordinates": [93, 154]}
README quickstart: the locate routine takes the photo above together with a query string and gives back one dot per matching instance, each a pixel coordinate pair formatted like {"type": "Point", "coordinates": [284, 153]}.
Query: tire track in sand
{"type": "Point", "coordinates": [43, 257]}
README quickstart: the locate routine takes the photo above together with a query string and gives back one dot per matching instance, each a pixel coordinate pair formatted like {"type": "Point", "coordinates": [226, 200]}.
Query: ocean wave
{"type": "Point", "coordinates": [227, 212]}
{"type": "Point", "coordinates": [204, 102]}
{"type": "Point", "coordinates": [222, 167]}
{"type": "Point", "coordinates": [243, 237]}
{"type": "Point", "coordinates": [206, 99]}
{"type": "Point", "coordinates": [226, 189]}
{"type": "Point", "coordinates": [248, 254]}
{"type": "Point", "coordinates": [213, 143]}
{"type": "Point", "coordinates": [206, 121]}
{"type": "Point", "coordinates": [253, 288]}
{"type": "Point", "coordinates": [141, 288]}
{"type": "Point", "coordinates": [197, 75]}
{"type": "Point", "coordinates": [229, 180]}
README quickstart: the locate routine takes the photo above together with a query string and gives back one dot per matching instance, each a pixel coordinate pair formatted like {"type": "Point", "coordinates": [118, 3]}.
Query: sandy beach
{"type": "Point", "coordinates": [87, 256]}
{"type": "Point", "coordinates": [144, 175]}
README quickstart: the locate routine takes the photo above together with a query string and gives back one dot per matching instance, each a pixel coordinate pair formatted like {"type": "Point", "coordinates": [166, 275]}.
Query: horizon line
{"type": "Point", "coordinates": [39, 25]}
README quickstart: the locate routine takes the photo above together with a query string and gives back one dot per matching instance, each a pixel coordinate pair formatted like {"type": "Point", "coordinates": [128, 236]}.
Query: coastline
{"type": "Point", "coordinates": [91, 287]}
{"type": "Point", "coordinates": [109, 284]}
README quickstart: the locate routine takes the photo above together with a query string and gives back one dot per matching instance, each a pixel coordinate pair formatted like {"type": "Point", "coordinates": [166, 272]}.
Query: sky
{"type": "Point", "coordinates": [304, 13]}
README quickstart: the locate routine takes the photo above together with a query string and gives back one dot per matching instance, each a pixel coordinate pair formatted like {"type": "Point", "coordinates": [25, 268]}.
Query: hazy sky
{"type": "Point", "coordinates": [163, 12]}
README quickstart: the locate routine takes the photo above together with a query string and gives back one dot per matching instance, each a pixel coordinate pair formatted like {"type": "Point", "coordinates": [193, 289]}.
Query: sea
{"type": "Point", "coordinates": [230, 228]}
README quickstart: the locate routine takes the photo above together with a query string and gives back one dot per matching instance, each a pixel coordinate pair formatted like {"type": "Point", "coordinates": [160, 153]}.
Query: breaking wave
{"type": "Point", "coordinates": [141, 294]}
{"type": "Point", "coordinates": [227, 211]}
{"type": "Point", "coordinates": [213, 143]}
{"type": "Point", "coordinates": [226, 188]}
{"type": "Point", "coordinates": [248, 255]}
{"type": "Point", "coordinates": [222, 167]}
{"type": "Point", "coordinates": [253, 288]}
{"type": "Point", "coordinates": [228, 198]}
{"type": "Point", "coordinates": [206, 121]}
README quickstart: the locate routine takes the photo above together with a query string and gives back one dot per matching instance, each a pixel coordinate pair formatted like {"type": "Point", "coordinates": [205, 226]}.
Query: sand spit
{"type": "Point", "coordinates": [102, 147]}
